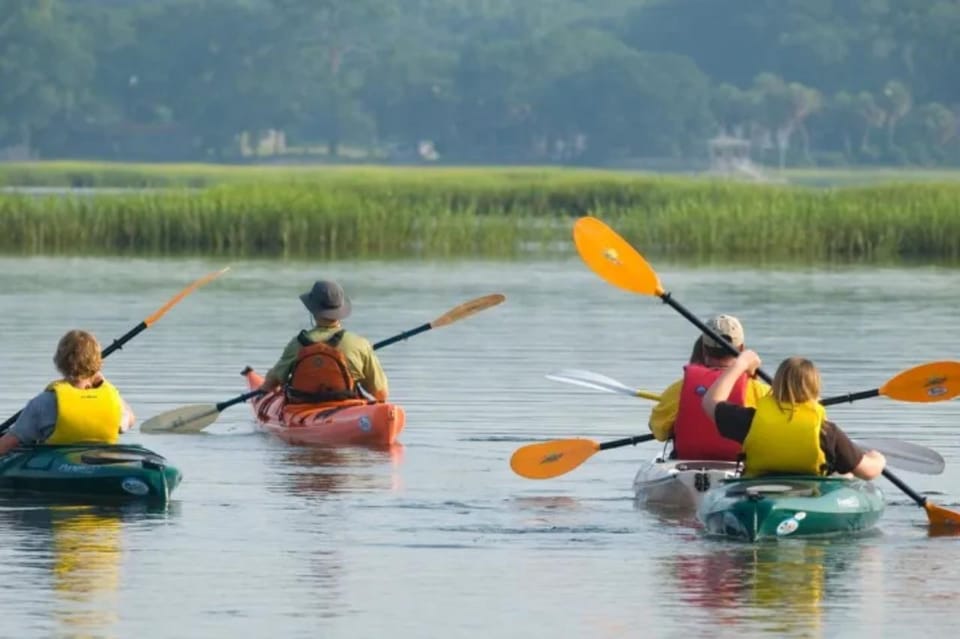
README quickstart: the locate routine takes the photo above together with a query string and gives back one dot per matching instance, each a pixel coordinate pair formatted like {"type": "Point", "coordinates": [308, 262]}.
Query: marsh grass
{"type": "Point", "coordinates": [366, 212]}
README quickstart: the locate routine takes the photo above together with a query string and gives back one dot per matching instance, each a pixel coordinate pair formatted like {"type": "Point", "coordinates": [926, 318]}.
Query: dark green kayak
{"type": "Point", "coordinates": [790, 506]}
{"type": "Point", "coordinates": [96, 471]}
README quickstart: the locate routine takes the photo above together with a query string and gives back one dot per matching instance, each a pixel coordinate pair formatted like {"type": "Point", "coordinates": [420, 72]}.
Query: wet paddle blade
{"type": "Point", "coordinates": [589, 379]}
{"type": "Point", "coordinates": [186, 419]}
{"type": "Point", "coordinates": [467, 309]}
{"type": "Point", "coordinates": [932, 382]}
{"type": "Point", "coordinates": [939, 516]}
{"type": "Point", "coordinates": [904, 455]}
{"type": "Point", "coordinates": [596, 381]}
{"type": "Point", "coordinates": [613, 259]}
{"type": "Point", "coordinates": [553, 458]}
{"type": "Point", "coordinates": [182, 294]}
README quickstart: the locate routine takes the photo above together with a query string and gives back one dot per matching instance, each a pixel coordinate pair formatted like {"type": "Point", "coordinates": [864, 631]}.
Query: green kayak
{"type": "Point", "coordinates": [92, 471]}
{"type": "Point", "coordinates": [777, 507]}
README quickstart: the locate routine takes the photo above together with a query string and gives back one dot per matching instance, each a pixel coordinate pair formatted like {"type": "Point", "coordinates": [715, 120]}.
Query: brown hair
{"type": "Point", "coordinates": [696, 357]}
{"type": "Point", "coordinates": [797, 381]}
{"type": "Point", "coordinates": [78, 355]}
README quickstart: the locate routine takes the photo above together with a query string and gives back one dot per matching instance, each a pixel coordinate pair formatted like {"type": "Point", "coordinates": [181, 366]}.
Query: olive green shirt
{"type": "Point", "coordinates": [362, 362]}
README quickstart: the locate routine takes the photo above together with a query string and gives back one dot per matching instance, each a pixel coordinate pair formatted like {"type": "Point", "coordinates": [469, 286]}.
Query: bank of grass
{"type": "Point", "coordinates": [385, 212]}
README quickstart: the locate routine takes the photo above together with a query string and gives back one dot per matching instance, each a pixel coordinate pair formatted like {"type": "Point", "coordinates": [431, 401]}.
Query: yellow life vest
{"type": "Point", "coordinates": [785, 440]}
{"type": "Point", "coordinates": [86, 415]}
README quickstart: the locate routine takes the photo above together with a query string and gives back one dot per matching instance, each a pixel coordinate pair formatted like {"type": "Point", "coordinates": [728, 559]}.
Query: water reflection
{"type": "Point", "coordinates": [781, 588]}
{"type": "Point", "coordinates": [78, 550]}
{"type": "Point", "coordinates": [323, 471]}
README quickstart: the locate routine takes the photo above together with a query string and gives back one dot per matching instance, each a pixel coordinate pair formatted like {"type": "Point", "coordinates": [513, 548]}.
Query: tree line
{"type": "Point", "coordinates": [599, 82]}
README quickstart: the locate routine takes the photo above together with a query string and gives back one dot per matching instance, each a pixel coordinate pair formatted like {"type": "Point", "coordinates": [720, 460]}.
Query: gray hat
{"type": "Point", "coordinates": [726, 326]}
{"type": "Point", "coordinates": [327, 300]}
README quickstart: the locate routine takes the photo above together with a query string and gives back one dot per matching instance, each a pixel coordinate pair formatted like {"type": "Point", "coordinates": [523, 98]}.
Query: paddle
{"type": "Point", "coordinates": [589, 379]}
{"type": "Point", "coordinates": [142, 326]}
{"type": "Point", "coordinates": [557, 457]}
{"type": "Point", "coordinates": [560, 456]}
{"type": "Point", "coordinates": [614, 260]}
{"type": "Point", "coordinates": [194, 418]}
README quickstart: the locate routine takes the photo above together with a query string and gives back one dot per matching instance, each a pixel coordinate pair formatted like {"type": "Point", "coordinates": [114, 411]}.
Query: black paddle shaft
{"type": "Point", "coordinates": [626, 441]}
{"type": "Point", "coordinates": [730, 348]}
{"type": "Point", "coordinates": [115, 346]}
{"type": "Point", "coordinates": [402, 336]}
{"type": "Point", "coordinates": [239, 399]}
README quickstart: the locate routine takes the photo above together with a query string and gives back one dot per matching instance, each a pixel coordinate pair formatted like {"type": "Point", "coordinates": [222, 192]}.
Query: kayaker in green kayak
{"type": "Point", "coordinates": [679, 415]}
{"type": "Point", "coordinates": [342, 365]}
{"type": "Point", "coordinates": [788, 431]}
{"type": "Point", "coordinates": [81, 407]}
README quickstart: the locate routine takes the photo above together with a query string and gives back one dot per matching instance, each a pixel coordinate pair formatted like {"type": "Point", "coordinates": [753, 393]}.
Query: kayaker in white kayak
{"type": "Point", "coordinates": [81, 407]}
{"type": "Point", "coordinates": [788, 431]}
{"type": "Point", "coordinates": [679, 414]}
{"type": "Point", "coordinates": [327, 364]}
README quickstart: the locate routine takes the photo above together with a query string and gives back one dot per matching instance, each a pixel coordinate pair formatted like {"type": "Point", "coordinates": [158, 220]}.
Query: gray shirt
{"type": "Point", "coordinates": [37, 420]}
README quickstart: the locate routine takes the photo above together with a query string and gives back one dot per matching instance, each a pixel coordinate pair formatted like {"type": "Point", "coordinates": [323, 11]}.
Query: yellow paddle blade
{"type": "Point", "coordinates": [613, 259]}
{"type": "Point", "coordinates": [182, 294]}
{"type": "Point", "coordinates": [940, 516]}
{"type": "Point", "coordinates": [933, 382]}
{"type": "Point", "coordinates": [467, 309]}
{"type": "Point", "coordinates": [553, 458]}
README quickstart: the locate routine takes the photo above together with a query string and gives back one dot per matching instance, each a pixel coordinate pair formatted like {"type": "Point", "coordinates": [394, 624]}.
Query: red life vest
{"type": "Point", "coordinates": [695, 436]}
{"type": "Point", "coordinates": [320, 374]}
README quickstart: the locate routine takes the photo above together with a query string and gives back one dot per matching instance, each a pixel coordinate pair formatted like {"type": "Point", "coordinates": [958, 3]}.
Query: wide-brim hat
{"type": "Point", "coordinates": [327, 300]}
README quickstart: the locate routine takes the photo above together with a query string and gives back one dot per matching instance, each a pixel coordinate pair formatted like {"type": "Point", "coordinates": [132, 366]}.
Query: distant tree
{"type": "Point", "coordinates": [44, 67]}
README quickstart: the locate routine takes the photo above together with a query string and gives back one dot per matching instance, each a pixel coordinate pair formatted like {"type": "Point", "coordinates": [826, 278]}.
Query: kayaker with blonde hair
{"type": "Point", "coordinates": [327, 364]}
{"type": "Point", "coordinates": [788, 432]}
{"type": "Point", "coordinates": [81, 407]}
{"type": "Point", "coordinates": [679, 414]}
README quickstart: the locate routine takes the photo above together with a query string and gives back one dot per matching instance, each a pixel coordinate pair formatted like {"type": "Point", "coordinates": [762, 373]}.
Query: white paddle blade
{"type": "Point", "coordinates": [589, 379]}
{"type": "Point", "coordinates": [904, 455]}
{"type": "Point", "coordinates": [186, 419]}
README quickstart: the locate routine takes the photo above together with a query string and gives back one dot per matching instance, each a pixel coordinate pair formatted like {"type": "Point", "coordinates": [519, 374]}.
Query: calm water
{"type": "Point", "coordinates": [439, 537]}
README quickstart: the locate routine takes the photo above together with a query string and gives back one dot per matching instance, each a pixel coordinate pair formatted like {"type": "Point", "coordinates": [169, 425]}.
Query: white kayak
{"type": "Point", "coordinates": [679, 483]}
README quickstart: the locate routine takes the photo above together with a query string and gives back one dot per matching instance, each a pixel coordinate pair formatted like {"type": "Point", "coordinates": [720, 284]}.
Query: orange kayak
{"type": "Point", "coordinates": [365, 424]}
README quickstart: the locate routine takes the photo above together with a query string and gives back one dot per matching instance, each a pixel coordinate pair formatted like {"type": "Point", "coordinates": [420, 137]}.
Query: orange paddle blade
{"type": "Point", "coordinates": [467, 309]}
{"type": "Point", "coordinates": [182, 294]}
{"type": "Point", "coordinates": [553, 458]}
{"type": "Point", "coordinates": [940, 516]}
{"type": "Point", "coordinates": [613, 259]}
{"type": "Point", "coordinates": [933, 382]}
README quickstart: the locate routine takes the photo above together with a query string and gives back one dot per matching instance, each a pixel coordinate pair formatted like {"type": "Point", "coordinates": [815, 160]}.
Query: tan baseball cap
{"type": "Point", "coordinates": [726, 326]}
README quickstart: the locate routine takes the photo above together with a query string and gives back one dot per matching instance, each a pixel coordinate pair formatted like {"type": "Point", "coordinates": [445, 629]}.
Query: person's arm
{"type": "Point", "coordinates": [35, 424]}
{"type": "Point", "coordinates": [8, 442]}
{"type": "Point", "coordinates": [871, 465]}
{"type": "Point", "coordinates": [127, 417]}
{"type": "Point", "coordinates": [277, 375]}
{"type": "Point", "coordinates": [664, 413]}
{"type": "Point", "coordinates": [846, 457]}
{"type": "Point", "coordinates": [374, 379]}
{"type": "Point", "coordinates": [746, 362]}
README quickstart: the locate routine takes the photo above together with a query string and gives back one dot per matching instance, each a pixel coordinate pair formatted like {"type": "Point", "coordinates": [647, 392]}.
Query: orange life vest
{"type": "Point", "coordinates": [695, 435]}
{"type": "Point", "coordinates": [320, 374]}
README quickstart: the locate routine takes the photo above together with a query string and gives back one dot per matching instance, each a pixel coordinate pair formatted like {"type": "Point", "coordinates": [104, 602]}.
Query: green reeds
{"type": "Point", "coordinates": [377, 212]}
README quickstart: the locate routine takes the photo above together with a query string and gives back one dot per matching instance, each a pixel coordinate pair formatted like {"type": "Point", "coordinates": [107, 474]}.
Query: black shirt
{"type": "Point", "coordinates": [842, 455]}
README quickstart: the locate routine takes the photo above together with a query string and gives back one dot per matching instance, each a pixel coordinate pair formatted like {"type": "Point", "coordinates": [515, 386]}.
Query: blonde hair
{"type": "Point", "coordinates": [797, 381]}
{"type": "Point", "coordinates": [78, 355]}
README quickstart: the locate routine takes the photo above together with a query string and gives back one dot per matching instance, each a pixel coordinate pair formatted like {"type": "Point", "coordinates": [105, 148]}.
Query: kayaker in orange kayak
{"type": "Point", "coordinates": [81, 407]}
{"type": "Point", "coordinates": [679, 414]}
{"type": "Point", "coordinates": [327, 364]}
{"type": "Point", "coordinates": [788, 431]}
